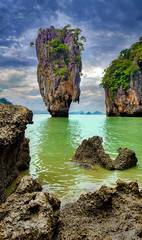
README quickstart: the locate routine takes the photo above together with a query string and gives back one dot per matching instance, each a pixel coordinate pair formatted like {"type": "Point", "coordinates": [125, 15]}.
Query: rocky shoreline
{"type": "Point", "coordinates": [108, 213]}
{"type": "Point", "coordinates": [29, 213]}
{"type": "Point", "coordinates": [14, 147]}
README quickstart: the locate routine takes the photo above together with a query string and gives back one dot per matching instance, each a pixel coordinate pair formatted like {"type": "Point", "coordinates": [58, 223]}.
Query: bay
{"type": "Point", "coordinates": [53, 142]}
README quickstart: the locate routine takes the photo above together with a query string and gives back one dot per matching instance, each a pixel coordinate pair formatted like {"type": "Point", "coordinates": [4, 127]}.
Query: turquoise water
{"type": "Point", "coordinates": [53, 142]}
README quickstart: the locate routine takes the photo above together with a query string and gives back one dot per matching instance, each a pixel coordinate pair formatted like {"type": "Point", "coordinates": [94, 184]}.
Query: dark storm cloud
{"type": "Point", "coordinates": [123, 18]}
{"type": "Point", "coordinates": [17, 15]}
{"type": "Point", "coordinates": [110, 14]}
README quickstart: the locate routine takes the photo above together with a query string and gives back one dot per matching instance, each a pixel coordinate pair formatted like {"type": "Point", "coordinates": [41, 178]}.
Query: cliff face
{"type": "Point", "coordinates": [58, 70]}
{"type": "Point", "coordinates": [14, 147]}
{"type": "Point", "coordinates": [122, 82]}
{"type": "Point", "coordinates": [125, 102]}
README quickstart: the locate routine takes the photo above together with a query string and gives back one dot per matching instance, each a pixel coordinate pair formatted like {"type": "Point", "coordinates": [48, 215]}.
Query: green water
{"type": "Point", "coordinates": [53, 142]}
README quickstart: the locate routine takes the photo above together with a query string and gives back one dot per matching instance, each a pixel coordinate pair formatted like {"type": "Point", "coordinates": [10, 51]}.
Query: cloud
{"type": "Point", "coordinates": [20, 87]}
{"type": "Point", "coordinates": [94, 73]}
{"type": "Point", "coordinates": [109, 26]}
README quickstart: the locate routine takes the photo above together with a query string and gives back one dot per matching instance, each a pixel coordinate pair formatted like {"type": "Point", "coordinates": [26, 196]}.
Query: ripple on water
{"type": "Point", "coordinates": [53, 142]}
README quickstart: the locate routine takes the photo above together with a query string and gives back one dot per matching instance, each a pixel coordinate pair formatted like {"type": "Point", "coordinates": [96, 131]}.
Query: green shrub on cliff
{"type": "Point", "coordinates": [66, 59]}
{"type": "Point", "coordinates": [57, 47]}
{"type": "Point", "coordinates": [62, 72]}
{"type": "Point", "coordinates": [32, 44]}
{"type": "Point", "coordinates": [77, 39]}
{"type": "Point", "coordinates": [127, 66]}
{"type": "Point", "coordinates": [40, 30]}
{"type": "Point", "coordinates": [77, 59]}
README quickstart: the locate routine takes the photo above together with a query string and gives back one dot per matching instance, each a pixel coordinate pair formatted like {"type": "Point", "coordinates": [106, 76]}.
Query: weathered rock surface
{"type": "Point", "coordinates": [29, 213]}
{"type": "Point", "coordinates": [107, 214]}
{"type": "Point", "coordinates": [125, 102]}
{"type": "Point", "coordinates": [58, 71]}
{"type": "Point", "coordinates": [14, 147]}
{"type": "Point", "coordinates": [91, 153]}
{"type": "Point", "coordinates": [126, 159]}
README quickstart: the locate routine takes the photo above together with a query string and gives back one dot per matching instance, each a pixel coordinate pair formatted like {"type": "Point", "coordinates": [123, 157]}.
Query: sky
{"type": "Point", "coordinates": [108, 25]}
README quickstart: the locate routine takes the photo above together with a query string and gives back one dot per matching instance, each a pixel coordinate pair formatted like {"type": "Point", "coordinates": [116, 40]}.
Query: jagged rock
{"type": "Point", "coordinates": [91, 153]}
{"type": "Point", "coordinates": [14, 147]}
{"type": "Point", "coordinates": [107, 214]}
{"type": "Point", "coordinates": [58, 70]}
{"type": "Point", "coordinates": [29, 213]}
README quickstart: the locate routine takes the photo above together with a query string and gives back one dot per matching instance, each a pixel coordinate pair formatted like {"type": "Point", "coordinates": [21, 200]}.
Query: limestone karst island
{"type": "Point", "coordinates": [59, 68]}
{"type": "Point", "coordinates": [73, 176]}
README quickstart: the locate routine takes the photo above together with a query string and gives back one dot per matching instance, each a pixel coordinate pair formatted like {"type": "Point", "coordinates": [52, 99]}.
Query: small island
{"type": "Point", "coordinates": [5, 101]}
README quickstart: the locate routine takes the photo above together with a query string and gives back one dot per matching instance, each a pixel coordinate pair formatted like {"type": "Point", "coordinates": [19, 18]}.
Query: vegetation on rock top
{"type": "Point", "coordinates": [126, 67]}
{"type": "Point", "coordinates": [78, 40]}
{"type": "Point", "coordinates": [59, 54]}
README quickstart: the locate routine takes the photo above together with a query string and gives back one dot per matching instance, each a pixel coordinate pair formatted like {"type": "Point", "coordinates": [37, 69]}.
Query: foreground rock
{"type": "Point", "coordinates": [29, 213]}
{"type": "Point", "coordinates": [107, 214]}
{"type": "Point", "coordinates": [91, 153]}
{"type": "Point", "coordinates": [14, 147]}
{"type": "Point", "coordinates": [59, 69]}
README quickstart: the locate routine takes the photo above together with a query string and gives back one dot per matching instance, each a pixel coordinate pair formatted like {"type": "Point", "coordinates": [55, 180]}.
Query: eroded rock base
{"type": "Point", "coordinates": [59, 114]}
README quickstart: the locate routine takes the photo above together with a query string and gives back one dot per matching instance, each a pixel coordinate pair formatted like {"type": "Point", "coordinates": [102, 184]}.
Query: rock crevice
{"type": "Point", "coordinates": [14, 147]}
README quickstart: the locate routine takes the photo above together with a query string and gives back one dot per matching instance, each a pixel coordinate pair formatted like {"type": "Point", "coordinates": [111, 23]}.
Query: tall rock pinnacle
{"type": "Point", "coordinates": [59, 68]}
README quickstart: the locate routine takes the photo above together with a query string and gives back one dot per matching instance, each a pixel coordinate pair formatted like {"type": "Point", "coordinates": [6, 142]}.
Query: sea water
{"type": "Point", "coordinates": [53, 142]}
